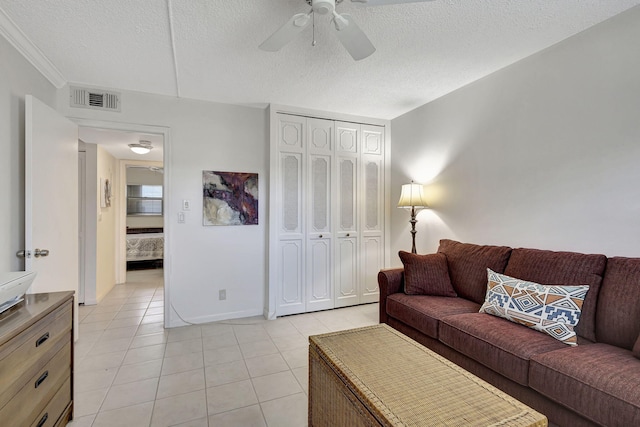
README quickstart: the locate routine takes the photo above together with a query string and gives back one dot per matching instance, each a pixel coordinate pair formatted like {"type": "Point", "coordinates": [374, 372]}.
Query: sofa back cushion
{"type": "Point", "coordinates": [468, 265]}
{"type": "Point", "coordinates": [563, 268]}
{"type": "Point", "coordinates": [618, 312]}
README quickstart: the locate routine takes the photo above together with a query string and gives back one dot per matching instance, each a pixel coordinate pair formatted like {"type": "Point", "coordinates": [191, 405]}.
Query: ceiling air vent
{"type": "Point", "coordinates": [95, 99]}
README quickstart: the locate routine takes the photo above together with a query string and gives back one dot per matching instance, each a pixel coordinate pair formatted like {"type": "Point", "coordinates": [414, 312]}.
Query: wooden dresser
{"type": "Point", "coordinates": [36, 361]}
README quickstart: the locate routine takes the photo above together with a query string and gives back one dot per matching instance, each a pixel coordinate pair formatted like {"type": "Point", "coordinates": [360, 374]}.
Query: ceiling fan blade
{"type": "Point", "coordinates": [287, 32]}
{"type": "Point", "coordinates": [354, 39]}
{"type": "Point", "coordinates": [386, 2]}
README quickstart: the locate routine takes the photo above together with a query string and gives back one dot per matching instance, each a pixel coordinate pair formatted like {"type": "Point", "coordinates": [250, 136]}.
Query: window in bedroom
{"type": "Point", "coordinates": [144, 199]}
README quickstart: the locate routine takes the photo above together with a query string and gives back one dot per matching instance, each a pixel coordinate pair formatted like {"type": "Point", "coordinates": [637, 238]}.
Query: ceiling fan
{"type": "Point", "coordinates": [350, 35]}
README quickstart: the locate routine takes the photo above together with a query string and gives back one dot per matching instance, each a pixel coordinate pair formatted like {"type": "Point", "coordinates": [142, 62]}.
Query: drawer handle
{"type": "Point", "coordinates": [42, 339]}
{"type": "Point", "coordinates": [42, 378]}
{"type": "Point", "coordinates": [43, 420]}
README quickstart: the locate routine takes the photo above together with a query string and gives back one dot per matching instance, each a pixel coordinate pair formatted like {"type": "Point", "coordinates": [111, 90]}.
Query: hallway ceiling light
{"type": "Point", "coordinates": [141, 147]}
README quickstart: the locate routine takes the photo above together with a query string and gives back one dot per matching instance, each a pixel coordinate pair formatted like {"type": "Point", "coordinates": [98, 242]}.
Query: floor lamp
{"type": "Point", "coordinates": [412, 196]}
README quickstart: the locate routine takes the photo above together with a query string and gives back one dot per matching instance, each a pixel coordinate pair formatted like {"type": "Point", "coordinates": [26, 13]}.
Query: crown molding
{"type": "Point", "coordinates": [22, 44]}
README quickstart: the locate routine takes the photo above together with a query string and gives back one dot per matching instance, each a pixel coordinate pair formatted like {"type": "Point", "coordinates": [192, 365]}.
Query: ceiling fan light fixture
{"type": "Point", "coordinates": [323, 7]}
{"type": "Point", "coordinates": [141, 147]}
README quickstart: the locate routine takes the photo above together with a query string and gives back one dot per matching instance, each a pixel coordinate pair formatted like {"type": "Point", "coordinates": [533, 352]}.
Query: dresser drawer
{"type": "Point", "coordinates": [55, 408]}
{"type": "Point", "coordinates": [26, 354]}
{"type": "Point", "coordinates": [31, 400]}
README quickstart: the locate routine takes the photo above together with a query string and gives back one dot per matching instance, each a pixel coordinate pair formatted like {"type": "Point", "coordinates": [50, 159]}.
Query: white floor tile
{"type": "Point", "coordinates": [85, 421]}
{"type": "Point", "coordinates": [186, 362]}
{"type": "Point", "coordinates": [138, 372]}
{"type": "Point", "coordinates": [136, 415]}
{"type": "Point", "coordinates": [201, 422]}
{"type": "Point", "coordinates": [179, 348]}
{"type": "Point", "coordinates": [273, 386]}
{"type": "Point", "coordinates": [181, 383]}
{"type": "Point", "coordinates": [222, 355]}
{"type": "Point", "coordinates": [179, 409]}
{"type": "Point", "coordinates": [258, 348]}
{"type": "Point", "coordinates": [147, 340]}
{"type": "Point", "coordinates": [265, 365]}
{"type": "Point", "coordinates": [88, 402]}
{"type": "Point", "coordinates": [251, 416]}
{"type": "Point", "coordinates": [230, 396]}
{"type": "Point", "coordinates": [225, 339]}
{"type": "Point", "coordinates": [143, 354]}
{"type": "Point", "coordinates": [94, 380]}
{"type": "Point", "coordinates": [224, 373]}
{"type": "Point", "coordinates": [290, 411]}
{"type": "Point", "coordinates": [122, 395]}
{"type": "Point", "coordinates": [101, 361]}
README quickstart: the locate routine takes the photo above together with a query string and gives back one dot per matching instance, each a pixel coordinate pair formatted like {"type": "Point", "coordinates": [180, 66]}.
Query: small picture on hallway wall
{"type": "Point", "coordinates": [105, 192]}
{"type": "Point", "coordinates": [229, 198]}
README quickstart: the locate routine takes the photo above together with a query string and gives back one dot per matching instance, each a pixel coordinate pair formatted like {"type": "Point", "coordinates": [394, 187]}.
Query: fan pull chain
{"type": "Point", "coordinates": [313, 43]}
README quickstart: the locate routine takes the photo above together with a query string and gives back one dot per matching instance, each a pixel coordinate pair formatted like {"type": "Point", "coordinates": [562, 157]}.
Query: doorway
{"type": "Point", "coordinates": [107, 157]}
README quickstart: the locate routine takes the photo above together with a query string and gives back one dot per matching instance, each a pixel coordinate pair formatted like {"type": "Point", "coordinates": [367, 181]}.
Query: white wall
{"type": "Point", "coordinates": [17, 78]}
{"type": "Point", "coordinates": [106, 225]}
{"type": "Point", "coordinates": [543, 154]}
{"type": "Point", "coordinates": [203, 260]}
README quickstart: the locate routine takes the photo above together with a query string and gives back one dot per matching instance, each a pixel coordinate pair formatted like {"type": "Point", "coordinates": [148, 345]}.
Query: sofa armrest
{"type": "Point", "coordinates": [390, 281]}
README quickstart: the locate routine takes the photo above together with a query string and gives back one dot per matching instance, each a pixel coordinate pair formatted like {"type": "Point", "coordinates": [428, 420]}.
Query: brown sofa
{"type": "Point", "coordinates": [596, 382]}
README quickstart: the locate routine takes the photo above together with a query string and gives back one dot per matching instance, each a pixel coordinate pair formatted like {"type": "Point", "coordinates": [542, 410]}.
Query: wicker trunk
{"type": "Point", "coordinates": [375, 376]}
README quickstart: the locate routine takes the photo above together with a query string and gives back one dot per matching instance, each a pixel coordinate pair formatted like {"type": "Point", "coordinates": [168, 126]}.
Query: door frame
{"type": "Point", "coordinates": [121, 272]}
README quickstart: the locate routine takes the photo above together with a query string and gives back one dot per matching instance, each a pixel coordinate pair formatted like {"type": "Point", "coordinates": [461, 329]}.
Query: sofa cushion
{"type": "Point", "coordinates": [598, 381]}
{"type": "Point", "coordinates": [426, 275]}
{"type": "Point", "coordinates": [501, 345]}
{"type": "Point", "coordinates": [551, 309]}
{"type": "Point", "coordinates": [618, 312]}
{"type": "Point", "coordinates": [468, 265]}
{"type": "Point", "coordinates": [423, 312]}
{"type": "Point", "coordinates": [636, 348]}
{"type": "Point", "coordinates": [567, 268]}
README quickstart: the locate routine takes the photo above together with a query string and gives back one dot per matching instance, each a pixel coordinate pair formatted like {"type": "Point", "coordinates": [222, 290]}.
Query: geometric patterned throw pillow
{"type": "Point", "coordinates": [553, 309]}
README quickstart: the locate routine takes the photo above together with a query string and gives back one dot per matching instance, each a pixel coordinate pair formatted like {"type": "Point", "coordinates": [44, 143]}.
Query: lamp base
{"type": "Point", "coordinates": [413, 230]}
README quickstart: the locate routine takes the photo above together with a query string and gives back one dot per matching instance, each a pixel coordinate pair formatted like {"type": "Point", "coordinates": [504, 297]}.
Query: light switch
{"type": "Point", "coordinates": [180, 217]}
{"type": "Point", "coordinates": [186, 205]}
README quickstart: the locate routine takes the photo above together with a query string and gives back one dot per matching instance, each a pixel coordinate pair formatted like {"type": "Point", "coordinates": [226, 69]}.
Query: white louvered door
{"type": "Point", "coordinates": [347, 242]}
{"type": "Point", "coordinates": [328, 195]}
{"type": "Point", "coordinates": [291, 240]}
{"type": "Point", "coordinates": [320, 141]}
{"type": "Point", "coordinates": [372, 217]}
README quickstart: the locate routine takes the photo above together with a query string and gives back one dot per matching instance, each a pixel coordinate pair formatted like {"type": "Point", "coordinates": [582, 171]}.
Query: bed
{"type": "Point", "coordinates": [144, 246]}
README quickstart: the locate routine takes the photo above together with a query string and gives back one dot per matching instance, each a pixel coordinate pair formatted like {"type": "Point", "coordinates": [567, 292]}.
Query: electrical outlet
{"type": "Point", "coordinates": [180, 217]}
{"type": "Point", "coordinates": [186, 205]}
{"type": "Point", "coordinates": [222, 294]}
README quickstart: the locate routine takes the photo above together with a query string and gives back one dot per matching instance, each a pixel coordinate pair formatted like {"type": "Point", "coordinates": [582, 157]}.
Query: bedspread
{"type": "Point", "coordinates": [147, 246]}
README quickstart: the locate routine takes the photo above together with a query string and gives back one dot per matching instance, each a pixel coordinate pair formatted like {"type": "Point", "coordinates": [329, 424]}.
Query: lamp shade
{"type": "Point", "coordinates": [412, 196]}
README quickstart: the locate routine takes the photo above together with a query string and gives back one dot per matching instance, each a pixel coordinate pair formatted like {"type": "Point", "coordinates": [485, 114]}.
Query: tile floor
{"type": "Point", "coordinates": [132, 372]}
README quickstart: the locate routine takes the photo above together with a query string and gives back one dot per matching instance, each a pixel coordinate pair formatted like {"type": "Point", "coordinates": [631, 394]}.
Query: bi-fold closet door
{"type": "Point", "coordinates": [329, 204]}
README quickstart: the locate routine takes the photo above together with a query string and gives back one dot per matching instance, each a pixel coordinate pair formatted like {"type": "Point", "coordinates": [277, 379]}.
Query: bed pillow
{"type": "Point", "coordinates": [553, 309]}
{"type": "Point", "coordinates": [426, 275]}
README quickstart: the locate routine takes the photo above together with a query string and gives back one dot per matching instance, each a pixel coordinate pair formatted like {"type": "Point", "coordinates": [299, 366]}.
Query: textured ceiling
{"type": "Point", "coordinates": [208, 49]}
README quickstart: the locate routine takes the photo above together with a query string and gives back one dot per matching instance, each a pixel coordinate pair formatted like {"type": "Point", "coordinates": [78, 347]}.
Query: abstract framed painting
{"type": "Point", "coordinates": [229, 198]}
